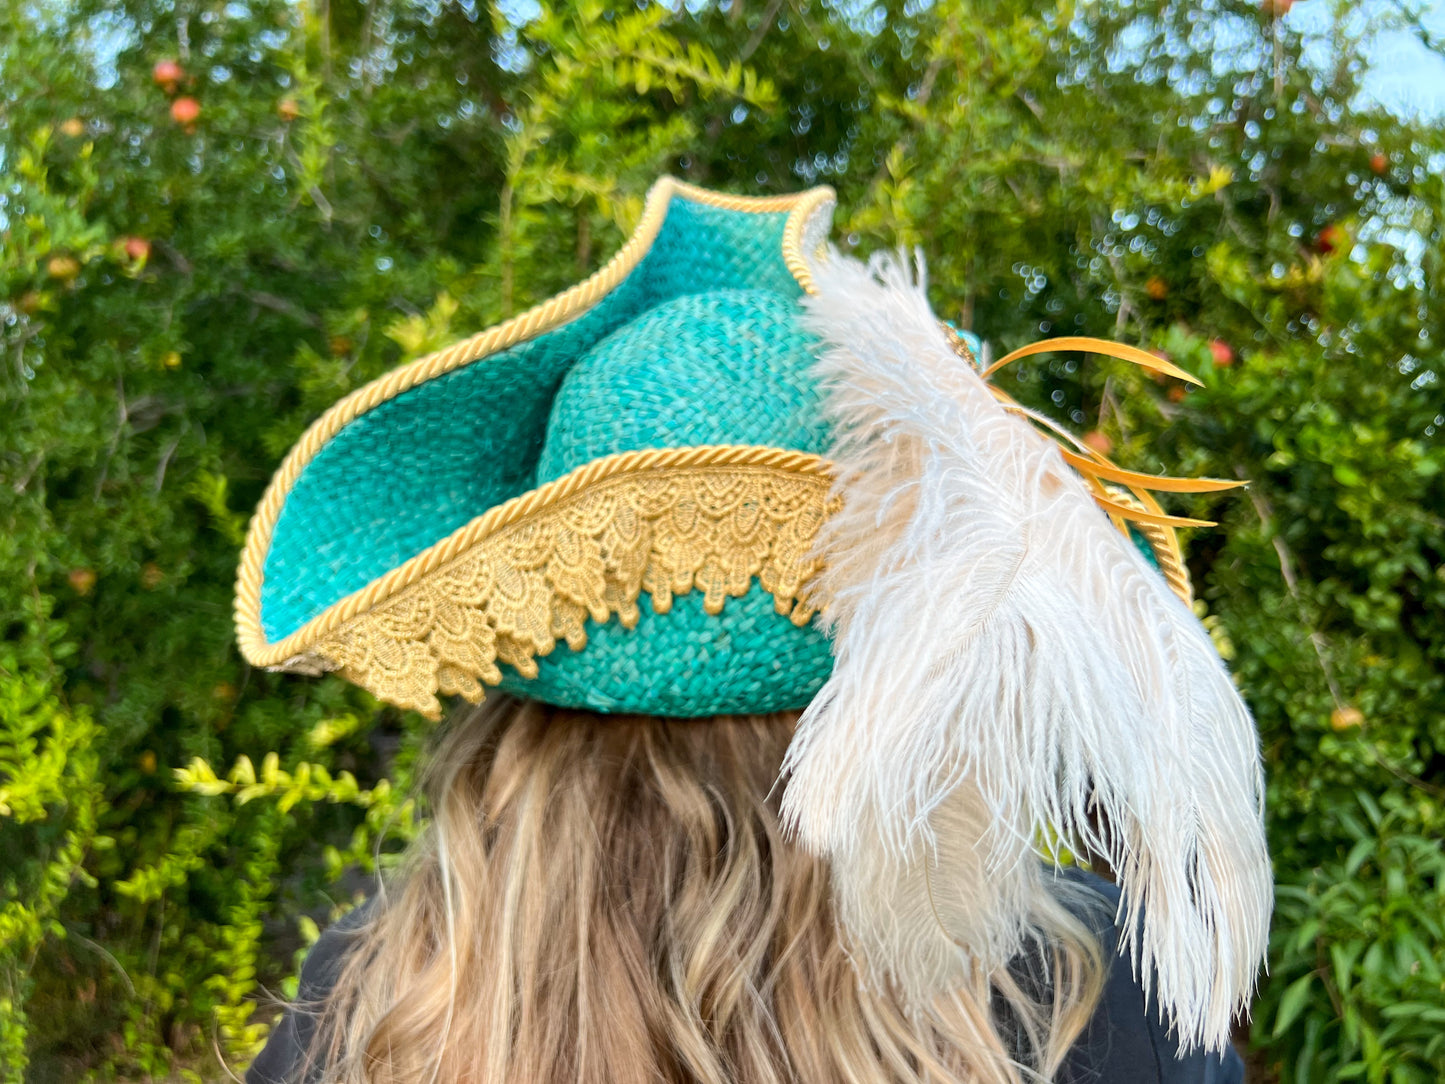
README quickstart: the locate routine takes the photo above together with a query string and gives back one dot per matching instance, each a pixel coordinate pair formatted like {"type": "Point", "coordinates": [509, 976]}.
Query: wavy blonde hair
{"type": "Point", "coordinates": [612, 901]}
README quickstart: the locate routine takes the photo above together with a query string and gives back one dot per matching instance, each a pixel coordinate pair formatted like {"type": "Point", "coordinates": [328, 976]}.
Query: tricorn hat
{"type": "Point", "coordinates": [737, 471]}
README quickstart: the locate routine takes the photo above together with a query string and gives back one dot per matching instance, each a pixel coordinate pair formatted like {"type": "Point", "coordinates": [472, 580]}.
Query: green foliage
{"type": "Point", "coordinates": [1362, 945]}
{"type": "Point", "coordinates": [50, 799]}
{"type": "Point", "coordinates": [364, 183]}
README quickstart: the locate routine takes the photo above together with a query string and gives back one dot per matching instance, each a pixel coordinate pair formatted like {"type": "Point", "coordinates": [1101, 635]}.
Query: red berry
{"type": "Point", "coordinates": [185, 111]}
{"type": "Point", "coordinates": [1332, 238]}
{"type": "Point", "coordinates": [167, 73]}
{"type": "Point", "coordinates": [1379, 163]}
{"type": "Point", "coordinates": [1099, 441]}
{"type": "Point", "coordinates": [137, 248]}
{"type": "Point", "coordinates": [1221, 352]}
{"type": "Point", "coordinates": [1157, 288]}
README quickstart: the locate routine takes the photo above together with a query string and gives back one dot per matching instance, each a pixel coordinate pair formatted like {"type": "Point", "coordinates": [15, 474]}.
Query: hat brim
{"type": "Point", "coordinates": [530, 572]}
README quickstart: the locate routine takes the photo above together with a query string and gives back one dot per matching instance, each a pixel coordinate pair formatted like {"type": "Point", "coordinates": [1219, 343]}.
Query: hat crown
{"type": "Point", "coordinates": [727, 366]}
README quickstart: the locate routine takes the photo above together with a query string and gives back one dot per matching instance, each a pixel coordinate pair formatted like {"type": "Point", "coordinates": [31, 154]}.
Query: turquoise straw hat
{"type": "Point", "coordinates": [635, 466]}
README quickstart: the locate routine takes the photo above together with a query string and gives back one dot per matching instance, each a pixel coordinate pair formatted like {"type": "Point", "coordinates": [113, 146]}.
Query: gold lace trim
{"type": "Point", "coordinates": [512, 595]}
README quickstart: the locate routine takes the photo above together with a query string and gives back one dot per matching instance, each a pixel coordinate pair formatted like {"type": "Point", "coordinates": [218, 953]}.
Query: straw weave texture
{"type": "Point", "coordinates": [732, 526]}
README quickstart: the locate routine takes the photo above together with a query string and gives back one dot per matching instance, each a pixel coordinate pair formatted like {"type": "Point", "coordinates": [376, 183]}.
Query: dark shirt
{"type": "Point", "coordinates": [1125, 1042]}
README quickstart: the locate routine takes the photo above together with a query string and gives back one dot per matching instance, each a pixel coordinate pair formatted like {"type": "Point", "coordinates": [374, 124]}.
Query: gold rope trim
{"type": "Point", "coordinates": [1164, 542]}
{"type": "Point", "coordinates": [586, 550]}
{"type": "Point", "coordinates": [549, 315]}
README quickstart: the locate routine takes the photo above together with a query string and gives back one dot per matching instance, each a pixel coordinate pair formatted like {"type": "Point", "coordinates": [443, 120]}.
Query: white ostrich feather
{"type": "Point", "coordinates": [1007, 665]}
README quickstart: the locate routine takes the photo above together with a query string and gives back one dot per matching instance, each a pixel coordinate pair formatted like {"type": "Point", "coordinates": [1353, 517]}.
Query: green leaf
{"type": "Point", "coordinates": [1292, 1003]}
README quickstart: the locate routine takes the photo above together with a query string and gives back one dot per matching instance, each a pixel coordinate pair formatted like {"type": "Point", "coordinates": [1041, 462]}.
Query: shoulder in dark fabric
{"type": "Point", "coordinates": [286, 1057]}
{"type": "Point", "coordinates": [1127, 1041]}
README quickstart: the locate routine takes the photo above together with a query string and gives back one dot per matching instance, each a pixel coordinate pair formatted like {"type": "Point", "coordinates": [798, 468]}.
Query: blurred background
{"type": "Point", "coordinates": [219, 216]}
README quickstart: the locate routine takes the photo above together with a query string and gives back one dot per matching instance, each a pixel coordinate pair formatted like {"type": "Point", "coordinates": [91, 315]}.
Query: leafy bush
{"type": "Point", "coordinates": [198, 259]}
{"type": "Point", "coordinates": [1360, 944]}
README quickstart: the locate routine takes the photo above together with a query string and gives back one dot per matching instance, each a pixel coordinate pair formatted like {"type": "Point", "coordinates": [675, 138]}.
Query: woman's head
{"type": "Point", "coordinates": [611, 899]}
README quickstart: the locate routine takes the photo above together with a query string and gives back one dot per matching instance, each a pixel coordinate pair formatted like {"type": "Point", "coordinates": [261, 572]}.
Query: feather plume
{"type": "Point", "coordinates": [1007, 666]}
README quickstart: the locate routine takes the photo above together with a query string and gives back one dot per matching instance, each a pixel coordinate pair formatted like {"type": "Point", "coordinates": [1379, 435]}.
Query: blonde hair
{"type": "Point", "coordinates": [612, 901]}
